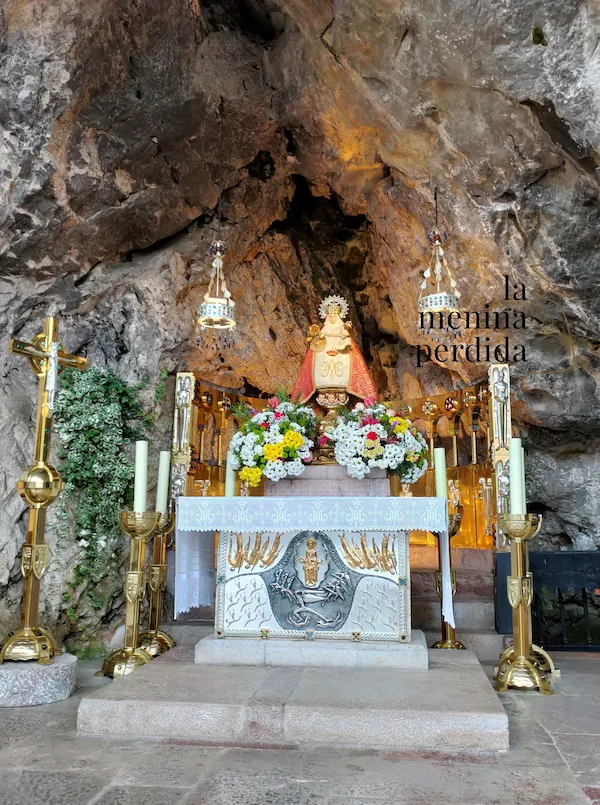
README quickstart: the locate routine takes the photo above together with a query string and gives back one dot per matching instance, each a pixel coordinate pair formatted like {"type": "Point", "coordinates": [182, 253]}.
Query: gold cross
{"type": "Point", "coordinates": [47, 357]}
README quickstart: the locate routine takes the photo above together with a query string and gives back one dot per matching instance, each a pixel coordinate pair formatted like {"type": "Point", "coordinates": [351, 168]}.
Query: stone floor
{"type": "Point", "coordinates": [554, 760]}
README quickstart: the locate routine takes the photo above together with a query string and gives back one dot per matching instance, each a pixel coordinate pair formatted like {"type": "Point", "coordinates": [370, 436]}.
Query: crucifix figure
{"type": "Point", "coordinates": [501, 392]}
{"type": "Point", "coordinates": [39, 486]}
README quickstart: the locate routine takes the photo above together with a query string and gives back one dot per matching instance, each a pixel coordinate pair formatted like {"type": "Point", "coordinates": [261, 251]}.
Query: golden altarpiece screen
{"type": "Point", "coordinates": [473, 424]}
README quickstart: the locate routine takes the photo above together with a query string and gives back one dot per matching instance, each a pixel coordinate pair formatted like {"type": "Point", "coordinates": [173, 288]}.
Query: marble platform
{"type": "Point", "coordinates": [330, 480]}
{"type": "Point", "coordinates": [313, 653]}
{"type": "Point", "coordinates": [23, 684]}
{"type": "Point", "coordinates": [452, 706]}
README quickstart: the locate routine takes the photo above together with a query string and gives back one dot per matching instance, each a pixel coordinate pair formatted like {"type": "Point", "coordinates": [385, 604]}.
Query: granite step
{"type": "Point", "coordinates": [450, 707]}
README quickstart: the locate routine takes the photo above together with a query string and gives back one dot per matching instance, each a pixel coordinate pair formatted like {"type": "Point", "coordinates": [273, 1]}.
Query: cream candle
{"type": "Point", "coordinates": [229, 477]}
{"type": "Point", "coordinates": [523, 476]}
{"type": "Point", "coordinates": [162, 485]}
{"type": "Point", "coordinates": [515, 471]}
{"type": "Point", "coordinates": [441, 482]}
{"type": "Point", "coordinates": [140, 488]}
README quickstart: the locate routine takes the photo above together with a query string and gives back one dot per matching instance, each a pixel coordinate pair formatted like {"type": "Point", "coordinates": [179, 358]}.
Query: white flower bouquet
{"type": "Point", "coordinates": [372, 435]}
{"type": "Point", "coordinates": [276, 442]}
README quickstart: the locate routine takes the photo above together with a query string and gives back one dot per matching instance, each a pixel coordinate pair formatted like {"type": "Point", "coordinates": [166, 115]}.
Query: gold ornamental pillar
{"type": "Point", "coordinates": [522, 665]}
{"type": "Point", "coordinates": [154, 641]}
{"type": "Point", "coordinates": [121, 662]}
{"type": "Point", "coordinates": [39, 486]}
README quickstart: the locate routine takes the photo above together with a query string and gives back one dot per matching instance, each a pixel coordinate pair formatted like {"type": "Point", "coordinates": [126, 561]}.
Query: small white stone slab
{"type": "Point", "coordinates": [313, 653]}
{"type": "Point", "coordinates": [330, 480]}
{"type": "Point", "coordinates": [23, 684]}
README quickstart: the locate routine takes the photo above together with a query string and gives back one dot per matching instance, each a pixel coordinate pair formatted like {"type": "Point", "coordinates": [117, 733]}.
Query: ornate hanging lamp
{"type": "Point", "coordinates": [215, 317]}
{"type": "Point", "coordinates": [438, 297]}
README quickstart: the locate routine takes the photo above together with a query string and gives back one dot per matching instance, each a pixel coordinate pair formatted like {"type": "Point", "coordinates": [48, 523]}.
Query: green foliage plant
{"type": "Point", "coordinates": [97, 417]}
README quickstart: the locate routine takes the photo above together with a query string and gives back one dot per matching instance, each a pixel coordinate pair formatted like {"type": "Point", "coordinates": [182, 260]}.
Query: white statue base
{"type": "Point", "coordinates": [23, 684]}
{"type": "Point", "coordinates": [314, 653]}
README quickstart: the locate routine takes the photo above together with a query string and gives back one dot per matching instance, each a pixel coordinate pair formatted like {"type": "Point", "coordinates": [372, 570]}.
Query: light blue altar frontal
{"type": "Point", "coordinates": [305, 567]}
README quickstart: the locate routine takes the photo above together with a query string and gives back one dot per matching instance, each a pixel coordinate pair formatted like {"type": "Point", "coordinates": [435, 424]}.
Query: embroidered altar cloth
{"type": "Point", "coordinates": [312, 567]}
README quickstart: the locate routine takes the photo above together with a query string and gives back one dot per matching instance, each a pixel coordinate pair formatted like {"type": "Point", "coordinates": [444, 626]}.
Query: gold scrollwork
{"type": "Point", "coordinates": [250, 557]}
{"type": "Point", "coordinates": [364, 557]}
{"type": "Point", "coordinates": [514, 590]}
{"type": "Point", "coordinates": [157, 577]}
{"type": "Point", "coordinates": [26, 561]}
{"type": "Point", "coordinates": [34, 559]}
{"type": "Point", "coordinates": [527, 590]}
{"type": "Point", "coordinates": [134, 586]}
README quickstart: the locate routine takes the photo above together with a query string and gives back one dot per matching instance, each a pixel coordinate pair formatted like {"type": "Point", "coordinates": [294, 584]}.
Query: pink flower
{"type": "Point", "coordinates": [308, 458]}
{"type": "Point", "coordinates": [253, 411]}
{"type": "Point", "coordinates": [273, 402]}
{"type": "Point", "coordinates": [372, 436]}
{"type": "Point", "coordinates": [323, 440]}
{"type": "Point", "coordinates": [279, 415]}
{"type": "Point", "coordinates": [370, 401]}
{"type": "Point", "coordinates": [369, 420]}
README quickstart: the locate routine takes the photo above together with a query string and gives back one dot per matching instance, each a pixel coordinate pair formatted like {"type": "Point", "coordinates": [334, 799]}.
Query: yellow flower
{"type": "Point", "coordinates": [412, 456]}
{"type": "Point", "coordinates": [400, 425]}
{"type": "Point", "coordinates": [293, 439]}
{"type": "Point", "coordinates": [273, 451]}
{"type": "Point", "coordinates": [251, 474]}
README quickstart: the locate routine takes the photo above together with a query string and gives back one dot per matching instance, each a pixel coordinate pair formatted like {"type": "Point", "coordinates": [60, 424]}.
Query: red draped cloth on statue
{"type": "Point", "coordinates": [361, 384]}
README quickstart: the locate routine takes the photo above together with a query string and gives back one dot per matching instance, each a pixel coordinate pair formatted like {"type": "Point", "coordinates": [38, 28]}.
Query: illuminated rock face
{"type": "Point", "coordinates": [339, 120]}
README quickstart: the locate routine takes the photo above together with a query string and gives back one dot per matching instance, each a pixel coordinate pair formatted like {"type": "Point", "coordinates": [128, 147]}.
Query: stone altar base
{"type": "Point", "coordinates": [452, 706]}
{"type": "Point", "coordinates": [313, 653]}
{"type": "Point", "coordinates": [23, 684]}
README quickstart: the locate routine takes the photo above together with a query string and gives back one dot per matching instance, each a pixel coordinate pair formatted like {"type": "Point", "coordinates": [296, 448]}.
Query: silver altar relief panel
{"type": "Point", "coordinates": [312, 584]}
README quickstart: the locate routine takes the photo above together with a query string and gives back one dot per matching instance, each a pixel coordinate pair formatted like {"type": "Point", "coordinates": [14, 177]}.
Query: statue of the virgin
{"type": "Point", "coordinates": [333, 367]}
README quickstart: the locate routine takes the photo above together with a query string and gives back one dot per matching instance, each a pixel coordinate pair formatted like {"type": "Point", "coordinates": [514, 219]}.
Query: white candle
{"type": "Point", "coordinates": [441, 481]}
{"type": "Point", "coordinates": [441, 491]}
{"type": "Point", "coordinates": [515, 467]}
{"type": "Point", "coordinates": [229, 477]}
{"type": "Point", "coordinates": [141, 477]}
{"type": "Point", "coordinates": [523, 475]}
{"type": "Point", "coordinates": [162, 485]}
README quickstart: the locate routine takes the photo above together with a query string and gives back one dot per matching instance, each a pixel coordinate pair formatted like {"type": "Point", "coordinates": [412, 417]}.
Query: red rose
{"type": "Point", "coordinates": [372, 436]}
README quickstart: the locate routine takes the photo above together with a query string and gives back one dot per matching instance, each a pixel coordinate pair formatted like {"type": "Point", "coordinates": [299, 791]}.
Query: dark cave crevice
{"type": "Point", "coordinates": [252, 18]}
{"type": "Point", "coordinates": [558, 131]}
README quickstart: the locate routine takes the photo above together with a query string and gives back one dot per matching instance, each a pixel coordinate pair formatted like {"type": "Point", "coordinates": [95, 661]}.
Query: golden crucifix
{"type": "Point", "coordinates": [39, 486]}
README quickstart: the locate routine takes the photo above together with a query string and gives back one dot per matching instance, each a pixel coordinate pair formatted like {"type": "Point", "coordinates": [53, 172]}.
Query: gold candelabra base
{"type": "Point", "coordinates": [29, 644]}
{"type": "Point", "coordinates": [522, 665]}
{"type": "Point", "coordinates": [123, 661]}
{"type": "Point", "coordinates": [155, 642]}
{"type": "Point", "coordinates": [449, 639]}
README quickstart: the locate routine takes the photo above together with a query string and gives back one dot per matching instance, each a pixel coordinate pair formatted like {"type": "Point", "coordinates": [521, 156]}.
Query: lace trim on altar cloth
{"type": "Point", "coordinates": [324, 513]}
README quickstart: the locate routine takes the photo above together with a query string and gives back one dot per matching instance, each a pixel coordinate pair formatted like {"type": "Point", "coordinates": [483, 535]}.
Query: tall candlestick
{"type": "Point", "coordinates": [229, 477]}
{"type": "Point", "coordinates": [162, 486]}
{"type": "Point", "coordinates": [515, 467]}
{"type": "Point", "coordinates": [141, 477]}
{"type": "Point", "coordinates": [523, 475]}
{"type": "Point", "coordinates": [441, 482]}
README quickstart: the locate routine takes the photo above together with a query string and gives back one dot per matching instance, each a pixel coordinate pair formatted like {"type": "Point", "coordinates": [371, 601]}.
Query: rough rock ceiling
{"type": "Point", "coordinates": [339, 120]}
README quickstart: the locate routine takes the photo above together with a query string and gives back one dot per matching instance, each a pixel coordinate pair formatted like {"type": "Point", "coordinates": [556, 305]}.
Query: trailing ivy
{"type": "Point", "coordinates": [97, 417]}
